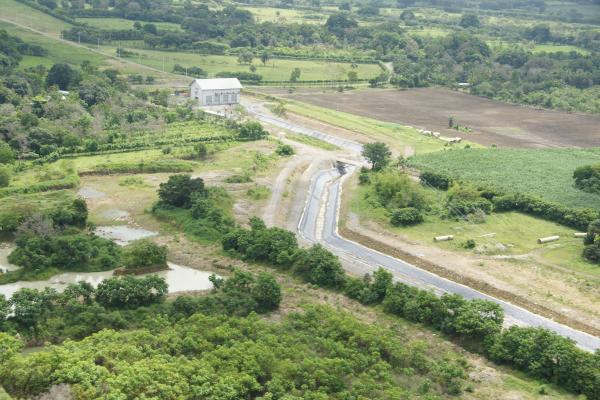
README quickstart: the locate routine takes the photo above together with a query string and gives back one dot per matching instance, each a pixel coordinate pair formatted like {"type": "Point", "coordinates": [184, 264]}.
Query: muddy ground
{"type": "Point", "coordinates": [492, 122]}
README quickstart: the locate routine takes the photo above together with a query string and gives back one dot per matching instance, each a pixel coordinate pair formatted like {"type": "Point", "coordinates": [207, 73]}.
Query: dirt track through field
{"type": "Point", "coordinates": [492, 122]}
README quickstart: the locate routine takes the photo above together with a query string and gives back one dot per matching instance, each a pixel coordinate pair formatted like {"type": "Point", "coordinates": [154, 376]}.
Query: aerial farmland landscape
{"type": "Point", "coordinates": [299, 199]}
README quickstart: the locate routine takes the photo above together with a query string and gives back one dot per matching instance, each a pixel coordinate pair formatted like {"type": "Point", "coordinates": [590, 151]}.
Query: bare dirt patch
{"type": "Point", "coordinates": [492, 122]}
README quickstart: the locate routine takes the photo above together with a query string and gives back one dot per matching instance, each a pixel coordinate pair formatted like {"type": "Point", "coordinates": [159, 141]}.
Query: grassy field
{"type": "Point", "coordinates": [286, 15]}
{"type": "Point", "coordinates": [275, 70]}
{"type": "Point", "coordinates": [509, 233]}
{"type": "Point", "coordinates": [311, 141]}
{"type": "Point", "coordinates": [543, 172]}
{"type": "Point", "coordinates": [122, 23]}
{"type": "Point", "coordinates": [556, 48]}
{"type": "Point", "coordinates": [397, 136]}
{"type": "Point", "coordinates": [20, 13]}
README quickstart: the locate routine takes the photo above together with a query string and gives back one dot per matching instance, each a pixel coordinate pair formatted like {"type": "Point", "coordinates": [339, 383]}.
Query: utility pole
{"type": "Point", "coordinates": [79, 37]}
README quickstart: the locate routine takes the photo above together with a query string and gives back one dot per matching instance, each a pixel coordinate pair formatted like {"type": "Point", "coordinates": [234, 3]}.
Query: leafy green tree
{"type": "Point", "coordinates": [319, 266]}
{"type": "Point", "coordinates": [9, 346]}
{"type": "Point", "coordinates": [266, 292]}
{"type": "Point", "coordinates": [144, 254]}
{"type": "Point", "coordinates": [93, 91]}
{"type": "Point", "coordinates": [61, 75]}
{"type": "Point", "coordinates": [130, 292]}
{"type": "Point", "coordinates": [4, 176]}
{"type": "Point", "coordinates": [265, 56]}
{"type": "Point", "coordinates": [252, 130]}
{"type": "Point", "coordinates": [378, 154]}
{"type": "Point", "coordinates": [340, 24]}
{"type": "Point", "coordinates": [31, 307]}
{"type": "Point", "coordinates": [406, 216]}
{"type": "Point", "coordinates": [478, 319]}
{"type": "Point", "coordinates": [295, 74]}
{"type": "Point", "coordinates": [470, 21]}
{"type": "Point", "coordinates": [179, 189]}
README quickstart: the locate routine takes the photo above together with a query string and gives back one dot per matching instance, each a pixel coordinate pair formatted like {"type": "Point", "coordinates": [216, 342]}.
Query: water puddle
{"type": "Point", "coordinates": [5, 266]}
{"type": "Point", "coordinates": [90, 193]}
{"type": "Point", "coordinates": [123, 234]}
{"type": "Point", "coordinates": [178, 277]}
{"type": "Point", "coordinates": [115, 215]}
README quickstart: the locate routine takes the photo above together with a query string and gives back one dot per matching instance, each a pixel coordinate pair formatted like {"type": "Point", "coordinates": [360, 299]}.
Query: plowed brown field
{"type": "Point", "coordinates": [492, 122]}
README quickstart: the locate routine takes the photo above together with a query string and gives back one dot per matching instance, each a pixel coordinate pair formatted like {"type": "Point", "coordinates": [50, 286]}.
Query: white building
{"type": "Point", "coordinates": [214, 92]}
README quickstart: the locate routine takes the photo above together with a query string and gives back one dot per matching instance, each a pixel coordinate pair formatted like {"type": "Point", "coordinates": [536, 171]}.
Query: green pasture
{"type": "Point", "coordinates": [286, 15]}
{"type": "Point", "coordinates": [274, 70]}
{"type": "Point", "coordinates": [544, 172]}
{"type": "Point", "coordinates": [122, 23]}
{"type": "Point", "coordinates": [509, 233]}
{"type": "Point", "coordinates": [25, 15]}
{"type": "Point", "coordinates": [57, 51]}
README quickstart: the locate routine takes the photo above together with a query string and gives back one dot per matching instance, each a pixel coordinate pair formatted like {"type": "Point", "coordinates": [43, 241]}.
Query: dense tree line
{"type": "Point", "coordinates": [315, 353]}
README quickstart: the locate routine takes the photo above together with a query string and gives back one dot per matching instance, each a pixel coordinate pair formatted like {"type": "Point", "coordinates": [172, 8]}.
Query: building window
{"type": "Point", "coordinates": [208, 99]}
{"type": "Point", "coordinates": [225, 98]}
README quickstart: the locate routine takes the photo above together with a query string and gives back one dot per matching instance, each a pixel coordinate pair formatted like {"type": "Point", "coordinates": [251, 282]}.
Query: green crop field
{"type": "Point", "coordinates": [556, 48]}
{"type": "Point", "coordinates": [122, 23]}
{"type": "Point", "coordinates": [280, 15]}
{"type": "Point", "coordinates": [543, 172]}
{"type": "Point", "coordinates": [275, 70]}
{"type": "Point", "coordinates": [57, 51]}
{"type": "Point", "coordinates": [24, 15]}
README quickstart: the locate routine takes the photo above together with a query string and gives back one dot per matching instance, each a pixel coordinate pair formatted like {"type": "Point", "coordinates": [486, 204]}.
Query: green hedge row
{"type": "Point", "coordinates": [142, 167]}
{"type": "Point", "coordinates": [68, 182]}
{"type": "Point", "coordinates": [575, 218]}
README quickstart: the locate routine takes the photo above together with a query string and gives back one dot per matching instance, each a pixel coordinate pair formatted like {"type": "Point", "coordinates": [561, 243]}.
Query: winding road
{"type": "Point", "coordinates": [319, 223]}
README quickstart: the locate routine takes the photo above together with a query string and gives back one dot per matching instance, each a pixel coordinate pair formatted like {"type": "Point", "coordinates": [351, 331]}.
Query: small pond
{"type": "Point", "coordinates": [123, 234]}
{"type": "Point", "coordinates": [178, 277]}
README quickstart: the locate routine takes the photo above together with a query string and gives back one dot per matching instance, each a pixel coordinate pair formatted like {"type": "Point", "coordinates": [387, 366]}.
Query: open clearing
{"type": "Point", "coordinates": [492, 122]}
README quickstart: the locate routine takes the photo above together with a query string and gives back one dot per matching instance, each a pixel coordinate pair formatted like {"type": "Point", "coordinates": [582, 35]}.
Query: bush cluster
{"type": "Point", "coordinates": [436, 180]}
{"type": "Point", "coordinates": [280, 248]}
{"type": "Point", "coordinates": [575, 218]}
{"type": "Point", "coordinates": [76, 252]}
{"type": "Point", "coordinates": [406, 216]}
{"type": "Point", "coordinates": [587, 178]}
{"type": "Point", "coordinates": [144, 254]}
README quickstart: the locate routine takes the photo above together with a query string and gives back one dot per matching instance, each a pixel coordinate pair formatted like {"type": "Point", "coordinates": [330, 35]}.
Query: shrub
{"type": "Point", "coordinates": [319, 266]}
{"type": "Point", "coordinates": [464, 199]}
{"type": "Point", "coordinates": [546, 355]}
{"type": "Point", "coordinates": [252, 131]}
{"type": "Point", "coordinates": [587, 178]}
{"type": "Point", "coordinates": [285, 150]}
{"type": "Point", "coordinates": [4, 176]}
{"type": "Point", "coordinates": [144, 254]}
{"type": "Point", "coordinates": [437, 180]}
{"type": "Point", "coordinates": [469, 244]}
{"type": "Point", "coordinates": [179, 189]}
{"type": "Point", "coordinates": [129, 292]}
{"type": "Point", "coordinates": [406, 216]}
{"type": "Point", "coordinates": [396, 190]}
{"type": "Point", "coordinates": [364, 178]}
{"type": "Point", "coordinates": [575, 218]}
{"type": "Point", "coordinates": [76, 252]}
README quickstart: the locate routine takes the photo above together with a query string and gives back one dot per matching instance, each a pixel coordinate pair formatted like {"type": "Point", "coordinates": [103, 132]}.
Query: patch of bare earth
{"type": "Point", "coordinates": [492, 122]}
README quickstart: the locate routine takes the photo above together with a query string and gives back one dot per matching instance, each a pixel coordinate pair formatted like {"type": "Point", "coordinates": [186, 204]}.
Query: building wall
{"type": "Point", "coordinates": [214, 97]}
